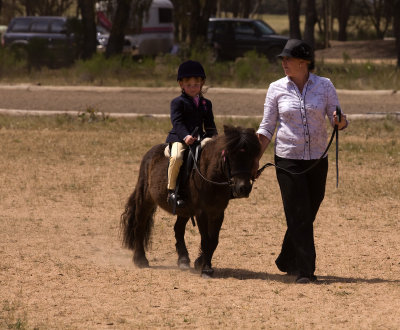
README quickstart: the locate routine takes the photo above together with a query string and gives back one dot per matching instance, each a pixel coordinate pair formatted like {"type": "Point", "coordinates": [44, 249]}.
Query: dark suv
{"type": "Point", "coordinates": [45, 38]}
{"type": "Point", "coordinates": [233, 37]}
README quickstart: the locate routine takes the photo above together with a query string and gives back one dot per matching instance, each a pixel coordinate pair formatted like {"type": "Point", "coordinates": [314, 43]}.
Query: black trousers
{"type": "Point", "coordinates": [301, 195]}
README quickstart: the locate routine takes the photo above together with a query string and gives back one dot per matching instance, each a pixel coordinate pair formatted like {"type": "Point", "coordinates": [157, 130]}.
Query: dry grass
{"type": "Point", "coordinates": [64, 183]}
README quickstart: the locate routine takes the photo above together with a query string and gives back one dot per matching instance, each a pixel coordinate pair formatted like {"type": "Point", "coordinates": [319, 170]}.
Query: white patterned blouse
{"type": "Point", "coordinates": [301, 132]}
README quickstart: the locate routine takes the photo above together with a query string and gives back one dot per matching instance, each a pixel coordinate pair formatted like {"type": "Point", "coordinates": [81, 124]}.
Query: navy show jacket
{"type": "Point", "coordinates": [186, 116]}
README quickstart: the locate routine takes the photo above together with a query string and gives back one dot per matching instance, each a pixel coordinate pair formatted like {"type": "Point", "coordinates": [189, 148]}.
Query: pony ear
{"type": "Point", "coordinates": [250, 131]}
{"type": "Point", "coordinates": [228, 128]}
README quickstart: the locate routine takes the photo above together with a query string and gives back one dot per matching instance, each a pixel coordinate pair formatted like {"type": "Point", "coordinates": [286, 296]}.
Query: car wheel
{"type": "Point", "coordinates": [215, 54]}
{"type": "Point", "coordinates": [19, 52]}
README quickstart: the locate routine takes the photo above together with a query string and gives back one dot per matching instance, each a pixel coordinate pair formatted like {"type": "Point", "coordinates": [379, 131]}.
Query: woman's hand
{"type": "Point", "coordinates": [343, 121]}
{"type": "Point", "coordinates": [256, 165]}
{"type": "Point", "coordinates": [189, 140]}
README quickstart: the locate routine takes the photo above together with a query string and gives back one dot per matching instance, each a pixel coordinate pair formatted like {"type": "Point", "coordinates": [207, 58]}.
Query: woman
{"type": "Point", "coordinates": [298, 104]}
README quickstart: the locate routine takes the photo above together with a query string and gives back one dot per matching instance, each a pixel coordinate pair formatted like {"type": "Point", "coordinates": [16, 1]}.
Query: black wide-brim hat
{"type": "Point", "coordinates": [298, 49]}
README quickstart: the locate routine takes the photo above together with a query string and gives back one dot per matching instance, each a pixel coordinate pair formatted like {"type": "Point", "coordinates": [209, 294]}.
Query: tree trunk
{"type": "Point", "coordinates": [116, 41]}
{"type": "Point", "coordinates": [30, 8]}
{"type": "Point", "coordinates": [200, 12]}
{"type": "Point", "coordinates": [89, 27]}
{"type": "Point", "coordinates": [311, 19]}
{"type": "Point", "coordinates": [343, 14]}
{"type": "Point", "coordinates": [235, 8]}
{"type": "Point", "coordinates": [247, 4]}
{"type": "Point", "coordinates": [396, 28]}
{"type": "Point", "coordinates": [327, 22]}
{"type": "Point", "coordinates": [294, 18]}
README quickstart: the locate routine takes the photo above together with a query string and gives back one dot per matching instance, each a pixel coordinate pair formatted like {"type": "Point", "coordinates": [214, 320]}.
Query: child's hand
{"type": "Point", "coordinates": [189, 140]}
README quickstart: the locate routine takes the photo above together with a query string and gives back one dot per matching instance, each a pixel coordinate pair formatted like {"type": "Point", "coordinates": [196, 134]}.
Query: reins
{"type": "Point", "coordinates": [227, 183]}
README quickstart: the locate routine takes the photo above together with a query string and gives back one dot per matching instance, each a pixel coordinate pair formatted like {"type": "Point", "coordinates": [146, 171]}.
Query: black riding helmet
{"type": "Point", "coordinates": [190, 69]}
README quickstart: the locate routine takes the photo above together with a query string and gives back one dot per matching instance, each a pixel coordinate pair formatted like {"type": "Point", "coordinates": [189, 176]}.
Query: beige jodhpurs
{"type": "Point", "coordinates": [175, 163]}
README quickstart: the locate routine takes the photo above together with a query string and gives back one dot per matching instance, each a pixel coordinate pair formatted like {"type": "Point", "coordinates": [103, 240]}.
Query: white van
{"type": "Point", "coordinates": [157, 35]}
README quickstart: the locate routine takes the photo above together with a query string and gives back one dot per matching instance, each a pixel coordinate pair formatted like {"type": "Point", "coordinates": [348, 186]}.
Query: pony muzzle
{"type": "Point", "coordinates": [241, 188]}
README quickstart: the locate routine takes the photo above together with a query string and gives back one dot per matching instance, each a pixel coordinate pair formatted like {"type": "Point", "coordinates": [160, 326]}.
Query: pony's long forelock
{"type": "Point", "coordinates": [238, 138]}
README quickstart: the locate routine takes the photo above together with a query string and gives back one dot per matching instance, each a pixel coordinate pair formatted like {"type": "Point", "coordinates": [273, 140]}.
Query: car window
{"type": "Point", "coordinates": [210, 27]}
{"type": "Point", "coordinates": [244, 28]}
{"type": "Point", "coordinates": [222, 28]}
{"type": "Point", "coordinates": [264, 28]}
{"type": "Point", "coordinates": [57, 27]}
{"type": "Point", "coordinates": [39, 26]}
{"type": "Point", "coordinates": [21, 26]}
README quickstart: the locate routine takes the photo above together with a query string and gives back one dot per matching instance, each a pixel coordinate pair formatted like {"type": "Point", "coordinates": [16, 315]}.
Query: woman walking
{"type": "Point", "coordinates": [298, 105]}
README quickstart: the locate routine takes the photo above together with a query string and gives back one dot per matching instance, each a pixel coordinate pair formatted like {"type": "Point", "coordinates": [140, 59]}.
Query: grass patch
{"type": "Point", "coordinates": [361, 76]}
{"type": "Point", "coordinates": [250, 71]}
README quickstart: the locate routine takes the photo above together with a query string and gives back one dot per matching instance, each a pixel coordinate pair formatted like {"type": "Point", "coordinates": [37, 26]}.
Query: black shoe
{"type": "Point", "coordinates": [287, 265]}
{"type": "Point", "coordinates": [301, 279]}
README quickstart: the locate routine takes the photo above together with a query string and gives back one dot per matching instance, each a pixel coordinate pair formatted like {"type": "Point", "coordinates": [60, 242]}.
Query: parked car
{"type": "Point", "coordinates": [44, 39]}
{"type": "Point", "coordinates": [233, 37]}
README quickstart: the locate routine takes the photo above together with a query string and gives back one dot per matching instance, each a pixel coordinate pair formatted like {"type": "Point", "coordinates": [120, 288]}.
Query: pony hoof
{"type": "Point", "coordinates": [198, 264]}
{"type": "Point", "coordinates": [184, 263]}
{"type": "Point", "coordinates": [207, 272]}
{"type": "Point", "coordinates": [183, 266]}
{"type": "Point", "coordinates": [141, 263]}
{"type": "Point", "coordinates": [206, 276]}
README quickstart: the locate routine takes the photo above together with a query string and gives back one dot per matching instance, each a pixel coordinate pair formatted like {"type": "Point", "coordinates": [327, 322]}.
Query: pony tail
{"type": "Point", "coordinates": [136, 219]}
{"type": "Point", "coordinates": [128, 223]}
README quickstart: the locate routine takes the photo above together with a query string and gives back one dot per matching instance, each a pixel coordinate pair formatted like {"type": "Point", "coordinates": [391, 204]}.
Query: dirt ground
{"type": "Point", "coordinates": [226, 101]}
{"type": "Point", "coordinates": [63, 188]}
{"type": "Point", "coordinates": [372, 50]}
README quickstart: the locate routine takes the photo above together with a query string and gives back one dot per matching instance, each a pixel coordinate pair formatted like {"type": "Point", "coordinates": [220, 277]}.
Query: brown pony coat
{"type": "Point", "coordinates": [226, 157]}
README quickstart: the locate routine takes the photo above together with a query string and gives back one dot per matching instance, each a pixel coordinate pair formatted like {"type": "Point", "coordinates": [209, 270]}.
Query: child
{"type": "Point", "coordinates": [188, 111]}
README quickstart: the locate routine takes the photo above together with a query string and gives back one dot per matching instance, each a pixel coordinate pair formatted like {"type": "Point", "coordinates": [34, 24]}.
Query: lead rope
{"type": "Point", "coordinates": [339, 115]}
{"type": "Point", "coordinates": [335, 132]}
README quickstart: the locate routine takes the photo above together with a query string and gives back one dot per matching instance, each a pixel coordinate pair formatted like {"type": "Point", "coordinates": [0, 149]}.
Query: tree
{"type": "Point", "coordinates": [46, 7]}
{"type": "Point", "coordinates": [115, 43]}
{"type": "Point", "coordinates": [343, 9]}
{"type": "Point", "coordinates": [120, 21]}
{"type": "Point", "coordinates": [89, 27]}
{"type": "Point", "coordinates": [294, 18]}
{"type": "Point", "coordinates": [181, 19]}
{"type": "Point", "coordinates": [202, 11]}
{"type": "Point", "coordinates": [311, 19]}
{"type": "Point", "coordinates": [327, 15]}
{"type": "Point", "coordinates": [380, 15]}
{"type": "Point", "coordinates": [191, 20]}
{"type": "Point", "coordinates": [395, 5]}
{"type": "Point", "coordinates": [244, 8]}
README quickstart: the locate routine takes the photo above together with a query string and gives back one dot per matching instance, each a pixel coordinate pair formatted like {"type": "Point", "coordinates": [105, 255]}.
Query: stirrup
{"type": "Point", "coordinates": [174, 200]}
